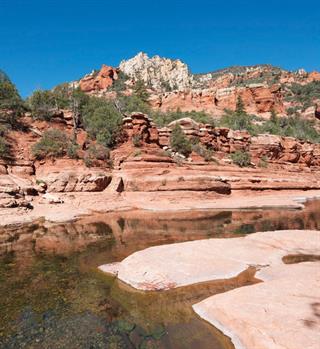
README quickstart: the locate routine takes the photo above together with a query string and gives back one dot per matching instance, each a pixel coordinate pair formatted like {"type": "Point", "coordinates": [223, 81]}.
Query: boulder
{"type": "Point", "coordinates": [75, 180]}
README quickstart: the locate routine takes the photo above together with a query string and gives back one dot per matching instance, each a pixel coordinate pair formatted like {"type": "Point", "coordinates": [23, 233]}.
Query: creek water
{"type": "Point", "coordinates": [53, 296]}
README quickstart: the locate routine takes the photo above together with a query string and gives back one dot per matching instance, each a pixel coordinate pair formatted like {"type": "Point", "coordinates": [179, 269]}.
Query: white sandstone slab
{"type": "Point", "coordinates": [281, 313]}
{"type": "Point", "coordinates": [181, 264]}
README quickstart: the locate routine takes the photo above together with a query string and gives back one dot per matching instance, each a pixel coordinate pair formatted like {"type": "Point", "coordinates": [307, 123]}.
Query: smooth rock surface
{"type": "Point", "coordinates": [169, 266]}
{"type": "Point", "coordinates": [282, 312]}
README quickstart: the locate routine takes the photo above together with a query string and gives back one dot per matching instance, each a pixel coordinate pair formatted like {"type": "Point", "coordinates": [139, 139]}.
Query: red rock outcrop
{"type": "Point", "coordinates": [99, 81]}
{"type": "Point", "coordinates": [273, 148]}
{"type": "Point", "coordinates": [314, 76]}
{"type": "Point", "coordinates": [70, 176]}
{"type": "Point", "coordinates": [258, 99]}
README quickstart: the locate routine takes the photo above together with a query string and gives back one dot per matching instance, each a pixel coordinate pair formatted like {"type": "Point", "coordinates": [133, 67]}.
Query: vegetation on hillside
{"type": "Point", "coordinates": [102, 121]}
{"type": "Point", "coordinates": [12, 108]}
{"type": "Point", "coordinates": [11, 104]}
{"type": "Point", "coordinates": [44, 104]}
{"type": "Point", "coordinates": [304, 95]}
{"type": "Point", "coordinates": [54, 143]}
{"type": "Point", "coordinates": [4, 148]}
{"type": "Point", "coordinates": [238, 119]}
{"type": "Point", "coordinates": [241, 158]}
{"type": "Point", "coordinates": [292, 126]}
{"type": "Point", "coordinates": [3, 76]}
{"type": "Point", "coordinates": [179, 142]}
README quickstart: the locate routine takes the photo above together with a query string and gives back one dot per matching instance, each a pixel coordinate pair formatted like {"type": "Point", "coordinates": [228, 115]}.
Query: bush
{"type": "Point", "coordinates": [53, 143]}
{"type": "Point", "coordinates": [42, 104]}
{"type": "Point", "coordinates": [45, 103]}
{"type": "Point", "coordinates": [72, 150]}
{"type": "Point", "coordinates": [203, 151]}
{"type": "Point", "coordinates": [119, 84]}
{"type": "Point", "coordinates": [94, 153]}
{"type": "Point", "coordinates": [179, 142]}
{"type": "Point", "coordinates": [303, 94]}
{"type": "Point", "coordinates": [238, 119]}
{"type": "Point", "coordinates": [292, 126]}
{"type": "Point", "coordinates": [241, 158]}
{"type": "Point", "coordinates": [102, 121]}
{"type": "Point", "coordinates": [263, 163]}
{"type": "Point", "coordinates": [12, 106]}
{"type": "Point", "coordinates": [136, 140]}
{"type": "Point", "coordinates": [4, 149]}
{"type": "Point", "coordinates": [62, 94]}
{"type": "Point", "coordinates": [130, 104]}
{"type": "Point", "coordinates": [140, 91]}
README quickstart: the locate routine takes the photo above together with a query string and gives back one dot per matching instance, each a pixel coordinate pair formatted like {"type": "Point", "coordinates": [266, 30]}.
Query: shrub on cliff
{"type": "Point", "coordinates": [11, 104]}
{"type": "Point", "coordinates": [303, 94]}
{"type": "Point", "coordinates": [179, 142]}
{"type": "Point", "coordinates": [140, 90]}
{"type": "Point", "coordinates": [102, 121]}
{"type": "Point", "coordinates": [292, 126]}
{"type": "Point", "coordinates": [42, 104]}
{"type": "Point", "coordinates": [119, 85]}
{"type": "Point", "coordinates": [133, 103]}
{"type": "Point", "coordinates": [203, 151]}
{"type": "Point", "coordinates": [45, 103]}
{"type": "Point", "coordinates": [241, 158]}
{"type": "Point", "coordinates": [238, 119]}
{"type": "Point", "coordinates": [3, 147]}
{"type": "Point", "coordinates": [53, 143]}
{"type": "Point", "coordinates": [96, 152]}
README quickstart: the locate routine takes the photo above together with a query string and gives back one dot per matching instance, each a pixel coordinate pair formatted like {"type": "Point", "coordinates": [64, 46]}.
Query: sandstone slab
{"type": "Point", "coordinates": [175, 265]}
{"type": "Point", "coordinates": [282, 312]}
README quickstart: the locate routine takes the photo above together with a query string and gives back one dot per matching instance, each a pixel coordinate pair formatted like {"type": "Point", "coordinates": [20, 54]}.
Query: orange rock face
{"type": "Point", "coordinates": [314, 76]}
{"type": "Point", "coordinates": [100, 81]}
{"type": "Point", "coordinates": [257, 99]}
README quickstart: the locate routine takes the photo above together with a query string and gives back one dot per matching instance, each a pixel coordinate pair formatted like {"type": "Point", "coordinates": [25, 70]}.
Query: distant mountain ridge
{"type": "Point", "coordinates": [172, 86]}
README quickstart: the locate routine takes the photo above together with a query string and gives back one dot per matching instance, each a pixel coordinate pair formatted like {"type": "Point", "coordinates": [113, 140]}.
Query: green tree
{"type": "Point", "coordinates": [241, 158]}
{"type": "Point", "coordinates": [240, 106]}
{"type": "Point", "coordinates": [179, 142]}
{"type": "Point", "coordinates": [140, 90]}
{"type": "Point", "coordinates": [11, 105]}
{"type": "Point", "coordinates": [43, 104]}
{"type": "Point", "coordinates": [53, 143]}
{"type": "Point", "coordinates": [273, 116]}
{"type": "Point", "coordinates": [133, 103]}
{"type": "Point", "coordinates": [102, 121]}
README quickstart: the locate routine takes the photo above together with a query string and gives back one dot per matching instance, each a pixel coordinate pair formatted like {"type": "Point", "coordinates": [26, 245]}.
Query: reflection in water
{"type": "Point", "coordinates": [52, 296]}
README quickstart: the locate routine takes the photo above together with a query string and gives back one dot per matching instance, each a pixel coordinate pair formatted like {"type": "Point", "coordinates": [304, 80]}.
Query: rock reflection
{"type": "Point", "coordinates": [50, 287]}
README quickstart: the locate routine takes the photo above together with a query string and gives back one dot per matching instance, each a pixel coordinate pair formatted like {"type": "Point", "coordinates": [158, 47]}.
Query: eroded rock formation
{"type": "Point", "coordinates": [159, 73]}
{"type": "Point", "coordinates": [263, 88]}
{"type": "Point", "coordinates": [101, 80]}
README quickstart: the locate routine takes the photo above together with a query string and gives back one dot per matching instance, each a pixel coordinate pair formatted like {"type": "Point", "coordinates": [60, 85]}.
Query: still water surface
{"type": "Point", "coordinates": [53, 296]}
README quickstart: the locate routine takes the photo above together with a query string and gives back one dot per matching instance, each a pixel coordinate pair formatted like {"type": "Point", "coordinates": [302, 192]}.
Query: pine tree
{"type": "Point", "coordinates": [273, 117]}
{"type": "Point", "coordinates": [140, 91]}
{"type": "Point", "coordinates": [240, 106]}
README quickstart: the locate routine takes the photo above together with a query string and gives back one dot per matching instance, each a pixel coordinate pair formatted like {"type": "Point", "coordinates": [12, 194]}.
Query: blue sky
{"type": "Point", "coordinates": [43, 43]}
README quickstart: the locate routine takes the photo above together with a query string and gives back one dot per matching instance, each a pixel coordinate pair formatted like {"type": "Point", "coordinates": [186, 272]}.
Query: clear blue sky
{"type": "Point", "coordinates": [43, 43]}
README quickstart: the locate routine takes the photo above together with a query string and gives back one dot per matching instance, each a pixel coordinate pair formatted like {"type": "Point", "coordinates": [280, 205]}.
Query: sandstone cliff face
{"type": "Point", "coordinates": [263, 88]}
{"type": "Point", "coordinates": [258, 99]}
{"type": "Point", "coordinates": [274, 149]}
{"type": "Point", "coordinates": [157, 72]}
{"type": "Point", "coordinates": [99, 81]}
